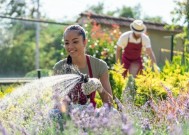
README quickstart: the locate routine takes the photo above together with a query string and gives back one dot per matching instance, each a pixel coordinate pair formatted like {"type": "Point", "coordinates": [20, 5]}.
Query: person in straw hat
{"type": "Point", "coordinates": [133, 42]}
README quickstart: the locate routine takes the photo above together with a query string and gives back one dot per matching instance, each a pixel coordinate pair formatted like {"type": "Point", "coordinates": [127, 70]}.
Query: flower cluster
{"type": "Point", "coordinates": [101, 120]}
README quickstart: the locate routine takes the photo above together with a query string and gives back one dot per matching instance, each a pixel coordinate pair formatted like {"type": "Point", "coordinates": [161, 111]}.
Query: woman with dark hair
{"type": "Point", "coordinates": [75, 43]}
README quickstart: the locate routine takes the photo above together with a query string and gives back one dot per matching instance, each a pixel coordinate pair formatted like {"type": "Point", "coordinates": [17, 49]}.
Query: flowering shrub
{"type": "Point", "coordinates": [149, 83]}
{"type": "Point", "coordinates": [102, 42]}
{"type": "Point", "coordinates": [101, 121]}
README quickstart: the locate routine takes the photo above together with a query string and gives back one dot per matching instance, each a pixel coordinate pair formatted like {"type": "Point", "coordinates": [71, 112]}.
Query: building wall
{"type": "Point", "coordinates": [160, 41]}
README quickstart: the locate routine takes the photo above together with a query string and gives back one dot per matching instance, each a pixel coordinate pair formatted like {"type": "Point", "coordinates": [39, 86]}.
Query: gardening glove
{"type": "Point", "coordinates": [92, 85]}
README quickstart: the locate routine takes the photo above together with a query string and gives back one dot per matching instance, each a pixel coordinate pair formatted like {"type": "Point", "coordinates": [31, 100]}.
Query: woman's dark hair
{"type": "Point", "coordinates": [69, 60]}
{"type": "Point", "coordinates": [78, 28]}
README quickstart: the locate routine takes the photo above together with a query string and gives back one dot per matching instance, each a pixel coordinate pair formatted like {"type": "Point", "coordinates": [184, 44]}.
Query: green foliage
{"type": "Point", "coordinates": [117, 81]}
{"type": "Point", "coordinates": [18, 56]}
{"type": "Point", "coordinates": [157, 19]}
{"type": "Point", "coordinates": [181, 17]}
{"type": "Point", "coordinates": [176, 74]}
{"type": "Point", "coordinates": [98, 100]}
{"type": "Point", "coordinates": [51, 46]}
{"type": "Point", "coordinates": [52, 129]}
{"type": "Point", "coordinates": [98, 9]}
{"type": "Point", "coordinates": [20, 52]}
{"type": "Point", "coordinates": [181, 12]}
{"type": "Point", "coordinates": [34, 73]}
{"type": "Point", "coordinates": [6, 89]}
{"type": "Point", "coordinates": [1, 94]}
{"type": "Point", "coordinates": [185, 127]}
{"type": "Point", "coordinates": [126, 12]}
{"type": "Point", "coordinates": [19, 8]}
{"type": "Point", "coordinates": [149, 83]}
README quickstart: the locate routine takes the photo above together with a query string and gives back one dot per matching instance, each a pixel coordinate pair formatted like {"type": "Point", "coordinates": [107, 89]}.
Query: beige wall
{"type": "Point", "coordinates": [160, 41]}
{"type": "Point", "coordinates": [161, 44]}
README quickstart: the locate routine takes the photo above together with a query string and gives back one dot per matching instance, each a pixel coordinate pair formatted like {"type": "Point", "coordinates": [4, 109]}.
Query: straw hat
{"type": "Point", "coordinates": [138, 26]}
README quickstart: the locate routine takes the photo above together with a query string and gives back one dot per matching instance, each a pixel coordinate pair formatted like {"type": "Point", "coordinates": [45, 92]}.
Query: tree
{"type": "Point", "coordinates": [19, 8]}
{"type": "Point", "coordinates": [130, 12]}
{"type": "Point", "coordinates": [157, 19]}
{"type": "Point", "coordinates": [98, 9]}
{"type": "Point", "coordinates": [135, 13]}
{"type": "Point", "coordinates": [20, 51]}
{"type": "Point", "coordinates": [181, 12]}
{"type": "Point", "coordinates": [126, 12]}
{"type": "Point", "coordinates": [181, 16]}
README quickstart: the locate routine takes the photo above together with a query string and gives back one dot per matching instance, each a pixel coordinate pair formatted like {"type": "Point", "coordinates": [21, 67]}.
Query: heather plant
{"type": "Point", "coordinates": [171, 114]}
{"type": "Point", "coordinates": [86, 120]}
{"type": "Point", "coordinates": [26, 109]}
{"type": "Point", "coordinates": [167, 116]}
{"type": "Point", "coordinates": [130, 87]}
{"type": "Point", "coordinates": [173, 109]}
{"type": "Point", "coordinates": [103, 120]}
{"type": "Point", "coordinates": [136, 114]}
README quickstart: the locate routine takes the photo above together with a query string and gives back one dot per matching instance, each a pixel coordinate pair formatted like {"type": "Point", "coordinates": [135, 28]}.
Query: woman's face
{"type": "Point", "coordinates": [74, 43]}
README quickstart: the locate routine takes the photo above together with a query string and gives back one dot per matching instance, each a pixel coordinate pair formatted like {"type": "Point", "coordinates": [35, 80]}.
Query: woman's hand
{"type": "Point", "coordinates": [92, 85]}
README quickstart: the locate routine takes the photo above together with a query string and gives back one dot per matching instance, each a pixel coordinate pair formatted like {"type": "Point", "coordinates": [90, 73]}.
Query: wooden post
{"type": "Point", "coordinates": [172, 47]}
{"type": "Point", "coordinates": [38, 73]}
